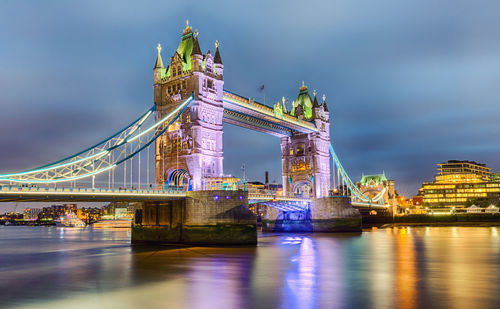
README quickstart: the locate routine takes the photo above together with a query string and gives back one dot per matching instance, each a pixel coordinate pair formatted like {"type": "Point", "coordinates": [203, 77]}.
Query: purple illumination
{"type": "Point", "coordinates": [241, 197]}
{"type": "Point", "coordinates": [216, 197]}
{"type": "Point", "coordinates": [227, 197]}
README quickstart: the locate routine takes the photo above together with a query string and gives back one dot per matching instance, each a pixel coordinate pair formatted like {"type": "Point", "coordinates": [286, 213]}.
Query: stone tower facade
{"type": "Point", "coordinates": [306, 157]}
{"type": "Point", "coordinates": [191, 150]}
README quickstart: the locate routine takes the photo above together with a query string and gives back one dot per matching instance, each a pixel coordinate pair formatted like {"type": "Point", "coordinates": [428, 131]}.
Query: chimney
{"type": "Point", "coordinates": [267, 178]}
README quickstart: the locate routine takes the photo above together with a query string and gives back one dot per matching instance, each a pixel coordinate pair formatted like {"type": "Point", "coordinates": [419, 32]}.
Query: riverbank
{"type": "Point", "coordinates": [464, 224]}
{"type": "Point", "coordinates": [434, 220]}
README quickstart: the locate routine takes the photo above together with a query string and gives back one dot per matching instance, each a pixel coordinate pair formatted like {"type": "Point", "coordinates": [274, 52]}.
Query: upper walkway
{"type": "Point", "coordinates": [247, 113]}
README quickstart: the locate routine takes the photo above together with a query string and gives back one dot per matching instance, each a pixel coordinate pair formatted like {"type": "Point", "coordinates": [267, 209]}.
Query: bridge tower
{"type": "Point", "coordinates": [305, 157]}
{"type": "Point", "coordinates": [191, 150]}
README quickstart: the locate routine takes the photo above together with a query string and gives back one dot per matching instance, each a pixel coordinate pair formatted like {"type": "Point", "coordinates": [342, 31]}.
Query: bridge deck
{"type": "Point", "coordinates": [45, 194]}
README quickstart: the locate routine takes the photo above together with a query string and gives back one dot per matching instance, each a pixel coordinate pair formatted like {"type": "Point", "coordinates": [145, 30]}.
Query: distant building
{"type": "Point", "coordinates": [373, 185]}
{"type": "Point", "coordinates": [220, 183]}
{"type": "Point", "coordinates": [31, 213]}
{"type": "Point", "coordinates": [55, 211]}
{"type": "Point", "coordinates": [460, 181]}
{"type": "Point", "coordinates": [89, 215]}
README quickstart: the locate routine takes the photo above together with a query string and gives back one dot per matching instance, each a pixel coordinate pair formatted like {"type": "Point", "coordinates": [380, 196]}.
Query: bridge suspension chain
{"type": "Point", "coordinates": [104, 156]}
{"type": "Point", "coordinates": [347, 181]}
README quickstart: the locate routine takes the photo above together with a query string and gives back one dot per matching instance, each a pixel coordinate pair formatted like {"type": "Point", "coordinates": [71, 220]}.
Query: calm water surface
{"type": "Point", "coordinates": [424, 267]}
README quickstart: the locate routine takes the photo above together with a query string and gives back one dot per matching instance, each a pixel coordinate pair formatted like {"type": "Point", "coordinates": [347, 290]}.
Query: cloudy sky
{"type": "Point", "coordinates": [408, 83]}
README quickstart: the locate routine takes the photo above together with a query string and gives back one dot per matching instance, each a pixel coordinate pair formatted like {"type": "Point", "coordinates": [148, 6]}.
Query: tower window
{"type": "Point", "coordinates": [210, 84]}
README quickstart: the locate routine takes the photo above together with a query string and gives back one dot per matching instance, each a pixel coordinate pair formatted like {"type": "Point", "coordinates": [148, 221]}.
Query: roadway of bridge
{"type": "Point", "coordinates": [46, 194]}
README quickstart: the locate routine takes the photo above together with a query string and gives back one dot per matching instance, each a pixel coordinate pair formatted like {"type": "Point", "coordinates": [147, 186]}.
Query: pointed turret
{"type": "Point", "coordinates": [324, 104]}
{"type": "Point", "coordinates": [159, 61]}
{"type": "Point", "coordinates": [217, 58]}
{"type": "Point", "coordinates": [196, 45]}
{"type": "Point", "coordinates": [315, 101]}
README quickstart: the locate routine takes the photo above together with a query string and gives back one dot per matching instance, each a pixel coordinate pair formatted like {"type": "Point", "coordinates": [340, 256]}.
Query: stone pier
{"type": "Point", "coordinates": [328, 214]}
{"type": "Point", "coordinates": [202, 218]}
{"type": "Point", "coordinates": [335, 214]}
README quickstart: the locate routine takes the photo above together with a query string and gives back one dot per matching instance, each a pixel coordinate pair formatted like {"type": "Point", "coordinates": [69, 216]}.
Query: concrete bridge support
{"type": "Point", "coordinates": [326, 215]}
{"type": "Point", "coordinates": [202, 218]}
{"type": "Point", "coordinates": [335, 214]}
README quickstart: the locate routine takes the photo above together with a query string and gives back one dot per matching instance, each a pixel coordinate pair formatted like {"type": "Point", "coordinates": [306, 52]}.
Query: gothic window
{"type": "Point", "coordinates": [300, 150]}
{"type": "Point", "coordinates": [179, 71]}
{"type": "Point", "coordinates": [210, 84]}
{"type": "Point", "coordinates": [291, 151]}
{"type": "Point", "coordinates": [188, 118]}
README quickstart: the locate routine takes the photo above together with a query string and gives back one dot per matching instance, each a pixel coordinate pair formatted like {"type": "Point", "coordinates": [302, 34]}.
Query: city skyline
{"type": "Point", "coordinates": [87, 79]}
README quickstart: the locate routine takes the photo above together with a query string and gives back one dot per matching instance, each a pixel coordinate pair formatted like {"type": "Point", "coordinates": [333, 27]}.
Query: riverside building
{"type": "Point", "coordinates": [459, 181]}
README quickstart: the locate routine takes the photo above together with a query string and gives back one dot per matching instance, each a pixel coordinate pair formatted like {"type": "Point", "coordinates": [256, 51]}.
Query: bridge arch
{"type": "Point", "coordinates": [303, 189]}
{"type": "Point", "coordinates": [179, 178]}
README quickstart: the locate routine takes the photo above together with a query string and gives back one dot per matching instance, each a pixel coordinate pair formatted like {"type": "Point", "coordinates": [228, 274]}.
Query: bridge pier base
{"type": "Point", "coordinates": [326, 215]}
{"type": "Point", "coordinates": [202, 218]}
{"type": "Point", "coordinates": [335, 214]}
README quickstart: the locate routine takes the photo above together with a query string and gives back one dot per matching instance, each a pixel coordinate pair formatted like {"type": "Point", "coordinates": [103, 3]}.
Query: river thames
{"type": "Point", "coordinates": [405, 267]}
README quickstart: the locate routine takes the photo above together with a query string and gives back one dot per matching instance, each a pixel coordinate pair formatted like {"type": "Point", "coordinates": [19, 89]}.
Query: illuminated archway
{"type": "Point", "coordinates": [179, 178]}
{"type": "Point", "coordinates": [303, 189]}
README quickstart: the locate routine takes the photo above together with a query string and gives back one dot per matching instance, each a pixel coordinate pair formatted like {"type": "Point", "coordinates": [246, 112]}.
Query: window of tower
{"type": "Point", "coordinates": [300, 150]}
{"type": "Point", "coordinates": [179, 71]}
{"type": "Point", "coordinates": [188, 118]}
{"type": "Point", "coordinates": [291, 151]}
{"type": "Point", "coordinates": [210, 84]}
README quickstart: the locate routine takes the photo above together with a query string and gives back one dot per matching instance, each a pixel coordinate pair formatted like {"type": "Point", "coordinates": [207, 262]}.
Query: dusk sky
{"type": "Point", "coordinates": [408, 83]}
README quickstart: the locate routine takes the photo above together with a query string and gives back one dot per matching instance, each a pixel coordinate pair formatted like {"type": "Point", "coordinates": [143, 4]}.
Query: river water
{"type": "Point", "coordinates": [412, 267]}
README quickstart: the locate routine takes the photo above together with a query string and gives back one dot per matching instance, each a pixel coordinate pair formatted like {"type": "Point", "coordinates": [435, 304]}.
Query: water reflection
{"type": "Point", "coordinates": [415, 267]}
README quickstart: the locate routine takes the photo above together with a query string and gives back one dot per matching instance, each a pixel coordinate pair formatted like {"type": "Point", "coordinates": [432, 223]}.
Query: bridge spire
{"type": "Point", "coordinates": [284, 105]}
{"type": "Point", "coordinates": [324, 103]}
{"type": "Point", "coordinates": [196, 45]}
{"type": "Point", "coordinates": [217, 58]}
{"type": "Point", "coordinates": [315, 101]}
{"type": "Point", "coordinates": [159, 61]}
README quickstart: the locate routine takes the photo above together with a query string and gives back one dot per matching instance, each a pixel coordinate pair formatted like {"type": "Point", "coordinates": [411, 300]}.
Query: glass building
{"type": "Point", "coordinates": [460, 181]}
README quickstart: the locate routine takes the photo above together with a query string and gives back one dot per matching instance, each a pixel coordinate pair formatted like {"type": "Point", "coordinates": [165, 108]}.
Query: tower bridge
{"type": "Point", "coordinates": [184, 127]}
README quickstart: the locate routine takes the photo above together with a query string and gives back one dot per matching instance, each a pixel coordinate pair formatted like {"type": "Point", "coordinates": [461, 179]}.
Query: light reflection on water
{"type": "Point", "coordinates": [405, 267]}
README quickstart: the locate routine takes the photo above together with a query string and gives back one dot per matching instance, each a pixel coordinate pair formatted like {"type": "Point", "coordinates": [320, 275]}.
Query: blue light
{"type": "Point", "coordinates": [241, 197]}
{"type": "Point", "coordinates": [216, 197]}
{"type": "Point", "coordinates": [227, 197]}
